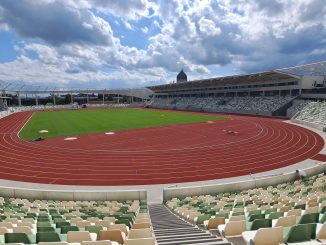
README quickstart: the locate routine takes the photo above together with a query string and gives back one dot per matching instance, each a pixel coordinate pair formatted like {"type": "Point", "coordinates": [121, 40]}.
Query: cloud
{"type": "Point", "coordinates": [127, 9]}
{"type": "Point", "coordinates": [54, 23]}
{"type": "Point", "coordinates": [74, 42]}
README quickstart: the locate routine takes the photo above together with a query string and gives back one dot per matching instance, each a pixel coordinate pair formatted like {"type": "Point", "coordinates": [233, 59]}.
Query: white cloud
{"type": "Point", "coordinates": [208, 27]}
{"type": "Point", "coordinates": [144, 29]}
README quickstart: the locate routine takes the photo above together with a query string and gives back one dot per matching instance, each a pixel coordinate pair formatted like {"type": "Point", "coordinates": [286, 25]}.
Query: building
{"type": "Point", "coordinates": [182, 77]}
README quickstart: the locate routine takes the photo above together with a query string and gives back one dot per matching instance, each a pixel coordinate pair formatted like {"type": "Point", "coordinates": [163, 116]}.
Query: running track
{"type": "Point", "coordinates": [169, 154]}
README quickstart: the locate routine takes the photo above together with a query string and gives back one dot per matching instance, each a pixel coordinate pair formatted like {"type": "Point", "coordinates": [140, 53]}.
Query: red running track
{"type": "Point", "coordinates": [169, 154]}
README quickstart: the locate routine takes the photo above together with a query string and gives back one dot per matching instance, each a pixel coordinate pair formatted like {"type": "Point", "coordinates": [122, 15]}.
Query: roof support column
{"type": "Point", "coordinates": [19, 99]}
{"type": "Point", "coordinates": [36, 100]}
{"type": "Point", "coordinates": [72, 98]}
{"type": "Point", "coordinates": [103, 96]}
{"type": "Point", "coordinates": [54, 99]}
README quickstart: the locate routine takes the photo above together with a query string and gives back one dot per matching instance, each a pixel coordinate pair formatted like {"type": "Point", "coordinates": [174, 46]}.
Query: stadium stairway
{"type": "Point", "coordinates": [169, 229]}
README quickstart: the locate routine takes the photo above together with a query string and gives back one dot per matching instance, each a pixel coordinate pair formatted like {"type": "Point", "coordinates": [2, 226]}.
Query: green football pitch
{"type": "Point", "coordinates": [76, 122]}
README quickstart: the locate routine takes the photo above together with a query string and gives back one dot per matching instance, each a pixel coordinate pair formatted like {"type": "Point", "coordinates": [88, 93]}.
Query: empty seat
{"type": "Point", "coordinates": [23, 229]}
{"type": "Point", "coordinates": [121, 227]}
{"type": "Point", "coordinates": [213, 223]}
{"type": "Point", "coordinates": [140, 233]}
{"type": "Point", "coordinates": [141, 225]}
{"type": "Point", "coordinates": [65, 229]}
{"type": "Point", "coordinates": [286, 221]}
{"type": "Point", "coordinates": [261, 223]}
{"type": "Point", "coordinates": [79, 236]}
{"type": "Point", "coordinates": [264, 236]}
{"type": "Point", "coordinates": [49, 236]}
{"type": "Point", "coordinates": [93, 228]}
{"type": "Point", "coordinates": [17, 238]}
{"type": "Point", "coordinates": [112, 235]}
{"type": "Point", "coordinates": [301, 233]}
{"type": "Point", "coordinates": [321, 232]}
{"type": "Point", "coordinates": [309, 218]}
{"type": "Point", "coordinates": [232, 228]}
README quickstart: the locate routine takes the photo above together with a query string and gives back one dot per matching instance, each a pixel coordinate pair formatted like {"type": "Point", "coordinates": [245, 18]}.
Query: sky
{"type": "Point", "coordinates": [138, 43]}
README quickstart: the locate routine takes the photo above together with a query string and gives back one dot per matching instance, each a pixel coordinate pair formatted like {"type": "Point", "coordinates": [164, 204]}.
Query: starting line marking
{"type": "Point", "coordinates": [108, 133]}
{"type": "Point", "coordinates": [70, 138]}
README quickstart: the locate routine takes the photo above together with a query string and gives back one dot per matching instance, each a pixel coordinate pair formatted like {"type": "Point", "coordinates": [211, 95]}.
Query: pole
{"type": "Point", "coordinates": [103, 99]}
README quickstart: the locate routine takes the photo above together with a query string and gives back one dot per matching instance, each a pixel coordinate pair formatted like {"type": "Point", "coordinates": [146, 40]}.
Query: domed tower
{"type": "Point", "coordinates": [181, 77]}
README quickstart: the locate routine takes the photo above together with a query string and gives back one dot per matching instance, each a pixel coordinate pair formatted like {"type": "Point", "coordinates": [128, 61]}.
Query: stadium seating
{"type": "Point", "coordinates": [82, 222]}
{"type": "Point", "coordinates": [289, 212]}
{"type": "Point", "coordinates": [313, 112]}
{"type": "Point", "coordinates": [248, 105]}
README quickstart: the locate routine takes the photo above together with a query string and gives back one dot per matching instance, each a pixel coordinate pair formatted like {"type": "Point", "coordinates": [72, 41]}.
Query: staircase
{"type": "Point", "coordinates": [169, 229]}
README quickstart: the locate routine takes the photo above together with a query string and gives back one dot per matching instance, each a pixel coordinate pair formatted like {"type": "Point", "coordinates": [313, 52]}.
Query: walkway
{"type": "Point", "coordinates": [170, 229]}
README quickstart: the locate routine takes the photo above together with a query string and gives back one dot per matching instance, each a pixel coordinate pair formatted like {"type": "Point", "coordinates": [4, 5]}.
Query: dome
{"type": "Point", "coordinates": [181, 77]}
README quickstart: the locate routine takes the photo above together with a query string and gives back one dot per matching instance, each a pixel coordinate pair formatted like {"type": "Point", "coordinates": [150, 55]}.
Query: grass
{"type": "Point", "coordinates": [76, 122]}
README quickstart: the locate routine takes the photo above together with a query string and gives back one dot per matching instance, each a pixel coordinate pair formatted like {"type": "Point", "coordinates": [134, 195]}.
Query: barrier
{"type": "Point", "coordinates": [70, 195]}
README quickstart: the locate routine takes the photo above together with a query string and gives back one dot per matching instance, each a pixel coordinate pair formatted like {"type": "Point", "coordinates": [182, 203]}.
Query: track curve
{"type": "Point", "coordinates": [159, 155]}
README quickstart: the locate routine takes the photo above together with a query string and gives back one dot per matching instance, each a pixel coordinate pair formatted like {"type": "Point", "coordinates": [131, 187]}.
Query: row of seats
{"type": "Point", "coordinates": [292, 206]}
{"type": "Point", "coordinates": [247, 104]}
{"type": "Point", "coordinates": [41, 221]}
{"type": "Point", "coordinates": [313, 112]}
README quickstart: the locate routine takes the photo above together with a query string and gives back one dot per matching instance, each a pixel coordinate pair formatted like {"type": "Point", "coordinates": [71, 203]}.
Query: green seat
{"type": "Point", "coordinates": [93, 228]}
{"type": "Point", "coordinates": [309, 218]}
{"type": "Point", "coordinates": [56, 220]}
{"type": "Point", "coordinates": [202, 218]}
{"type": "Point", "coordinates": [256, 216]}
{"type": "Point", "coordinates": [270, 210]}
{"type": "Point", "coordinates": [261, 223]}
{"type": "Point", "coordinates": [225, 215]}
{"type": "Point", "coordinates": [45, 229]}
{"type": "Point", "coordinates": [301, 233]}
{"type": "Point", "coordinates": [17, 238]}
{"type": "Point", "coordinates": [49, 236]}
{"type": "Point", "coordinates": [43, 219]}
{"type": "Point", "coordinates": [275, 215]}
{"type": "Point", "coordinates": [323, 218]}
{"type": "Point", "coordinates": [65, 229]}
{"type": "Point", "coordinates": [301, 206]}
{"type": "Point", "coordinates": [61, 224]}
{"type": "Point", "coordinates": [44, 224]}
{"type": "Point", "coordinates": [254, 212]}
{"type": "Point", "coordinates": [323, 210]}
{"type": "Point", "coordinates": [124, 221]}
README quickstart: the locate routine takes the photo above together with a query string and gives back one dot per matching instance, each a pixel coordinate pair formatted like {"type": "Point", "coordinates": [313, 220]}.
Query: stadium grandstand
{"type": "Point", "coordinates": [226, 179]}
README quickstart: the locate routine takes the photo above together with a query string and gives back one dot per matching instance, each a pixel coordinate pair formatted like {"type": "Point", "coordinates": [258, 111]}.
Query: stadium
{"type": "Point", "coordinates": [188, 140]}
{"type": "Point", "coordinates": [162, 122]}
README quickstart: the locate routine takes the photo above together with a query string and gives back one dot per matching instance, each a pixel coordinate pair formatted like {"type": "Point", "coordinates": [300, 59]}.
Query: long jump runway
{"type": "Point", "coordinates": [158, 155]}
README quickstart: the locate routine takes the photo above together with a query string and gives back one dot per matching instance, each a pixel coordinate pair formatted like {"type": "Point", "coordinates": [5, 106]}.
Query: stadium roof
{"type": "Point", "coordinates": [229, 80]}
{"type": "Point", "coordinates": [316, 69]}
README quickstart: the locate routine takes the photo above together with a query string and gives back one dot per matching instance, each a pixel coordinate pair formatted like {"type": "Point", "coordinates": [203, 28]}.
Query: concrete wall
{"type": "Point", "coordinates": [183, 192]}
{"type": "Point", "coordinates": [118, 195]}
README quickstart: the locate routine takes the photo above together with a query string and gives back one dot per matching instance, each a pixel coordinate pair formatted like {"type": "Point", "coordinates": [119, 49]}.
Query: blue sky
{"type": "Point", "coordinates": [135, 43]}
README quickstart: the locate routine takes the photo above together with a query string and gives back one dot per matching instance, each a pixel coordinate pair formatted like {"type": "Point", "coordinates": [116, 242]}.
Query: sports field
{"type": "Point", "coordinates": [76, 122]}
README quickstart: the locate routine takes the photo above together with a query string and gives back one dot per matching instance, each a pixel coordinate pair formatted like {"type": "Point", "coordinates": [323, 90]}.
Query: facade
{"type": "Point", "coordinates": [271, 83]}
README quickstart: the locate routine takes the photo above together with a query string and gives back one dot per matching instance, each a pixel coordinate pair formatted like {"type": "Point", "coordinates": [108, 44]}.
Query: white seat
{"type": "Point", "coordinates": [264, 236]}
